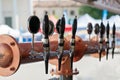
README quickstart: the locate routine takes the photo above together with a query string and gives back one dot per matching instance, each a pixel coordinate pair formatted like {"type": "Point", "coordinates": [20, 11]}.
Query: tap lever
{"type": "Point", "coordinates": [46, 41]}
{"type": "Point", "coordinates": [61, 26]}
{"type": "Point", "coordinates": [113, 42]}
{"type": "Point", "coordinates": [107, 30]}
{"type": "Point", "coordinates": [107, 42]}
{"type": "Point", "coordinates": [102, 31]}
{"type": "Point", "coordinates": [46, 26]}
{"type": "Point", "coordinates": [74, 28]}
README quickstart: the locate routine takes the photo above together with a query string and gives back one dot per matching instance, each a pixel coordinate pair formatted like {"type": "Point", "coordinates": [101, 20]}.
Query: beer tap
{"type": "Point", "coordinates": [74, 28]}
{"type": "Point", "coordinates": [46, 41]}
{"type": "Point", "coordinates": [96, 31]}
{"type": "Point", "coordinates": [113, 42]}
{"type": "Point", "coordinates": [61, 41]}
{"type": "Point", "coordinates": [102, 31]}
{"type": "Point", "coordinates": [107, 42]}
{"type": "Point", "coordinates": [33, 27]}
{"type": "Point", "coordinates": [89, 29]}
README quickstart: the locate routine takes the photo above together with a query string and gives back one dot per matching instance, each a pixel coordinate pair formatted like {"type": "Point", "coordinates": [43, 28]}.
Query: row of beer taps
{"type": "Point", "coordinates": [34, 27]}
{"type": "Point", "coordinates": [100, 31]}
{"type": "Point", "coordinates": [48, 29]}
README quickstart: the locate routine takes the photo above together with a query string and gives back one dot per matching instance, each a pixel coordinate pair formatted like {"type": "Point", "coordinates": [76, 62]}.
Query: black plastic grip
{"type": "Point", "coordinates": [107, 30]}
{"type": "Point", "coordinates": [46, 25]}
{"type": "Point", "coordinates": [114, 30]}
{"type": "Point", "coordinates": [102, 30]}
{"type": "Point", "coordinates": [74, 27]}
{"type": "Point", "coordinates": [62, 27]}
{"type": "Point", "coordinates": [33, 24]}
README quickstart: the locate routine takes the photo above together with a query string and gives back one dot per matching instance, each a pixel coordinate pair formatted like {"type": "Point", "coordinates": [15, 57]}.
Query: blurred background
{"type": "Point", "coordinates": [13, 21]}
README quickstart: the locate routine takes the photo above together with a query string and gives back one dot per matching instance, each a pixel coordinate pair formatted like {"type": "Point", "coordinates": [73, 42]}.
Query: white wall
{"type": "Point", "coordinates": [23, 11]}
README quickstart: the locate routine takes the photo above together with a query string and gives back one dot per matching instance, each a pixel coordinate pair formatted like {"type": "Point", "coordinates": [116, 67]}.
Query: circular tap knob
{"type": "Point", "coordinates": [97, 29]}
{"type": "Point", "coordinates": [89, 28]}
{"type": "Point", "coordinates": [33, 27]}
{"type": "Point", "coordinates": [51, 28]}
{"type": "Point", "coordinates": [33, 24]}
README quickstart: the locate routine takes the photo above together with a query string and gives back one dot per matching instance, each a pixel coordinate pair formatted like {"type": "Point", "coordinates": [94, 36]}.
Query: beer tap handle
{"type": "Point", "coordinates": [62, 27]}
{"type": "Point", "coordinates": [102, 31]}
{"type": "Point", "coordinates": [96, 31]}
{"type": "Point", "coordinates": [46, 41]}
{"type": "Point", "coordinates": [61, 41]}
{"type": "Point", "coordinates": [89, 29]}
{"type": "Point", "coordinates": [107, 42]}
{"type": "Point", "coordinates": [74, 28]}
{"type": "Point", "coordinates": [33, 27]}
{"type": "Point", "coordinates": [113, 42]}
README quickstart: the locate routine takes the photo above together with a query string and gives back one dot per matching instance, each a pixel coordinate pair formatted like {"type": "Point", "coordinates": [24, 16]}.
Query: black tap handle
{"type": "Point", "coordinates": [46, 63]}
{"type": "Point", "coordinates": [113, 42]}
{"type": "Point", "coordinates": [46, 25]}
{"type": "Point", "coordinates": [46, 42]}
{"type": "Point", "coordinates": [61, 43]}
{"type": "Point", "coordinates": [107, 42]}
{"type": "Point", "coordinates": [107, 30]}
{"type": "Point", "coordinates": [113, 52]}
{"type": "Point", "coordinates": [59, 62]}
{"type": "Point", "coordinates": [74, 27]}
{"type": "Point", "coordinates": [71, 60]}
{"type": "Point", "coordinates": [107, 52]}
{"type": "Point", "coordinates": [62, 27]}
{"type": "Point", "coordinates": [97, 29]}
{"type": "Point", "coordinates": [58, 25]}
{"type": "Point", "coordinates": [89, 28]}
{"type": "Point", "coordinates": [114, 30]}
{"type": "Point", "coordinates": [33, 24]}
{"type": "Point", "coordinates": [100, 55]}
{"type": "Point", "coordinates": [102, 30]}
